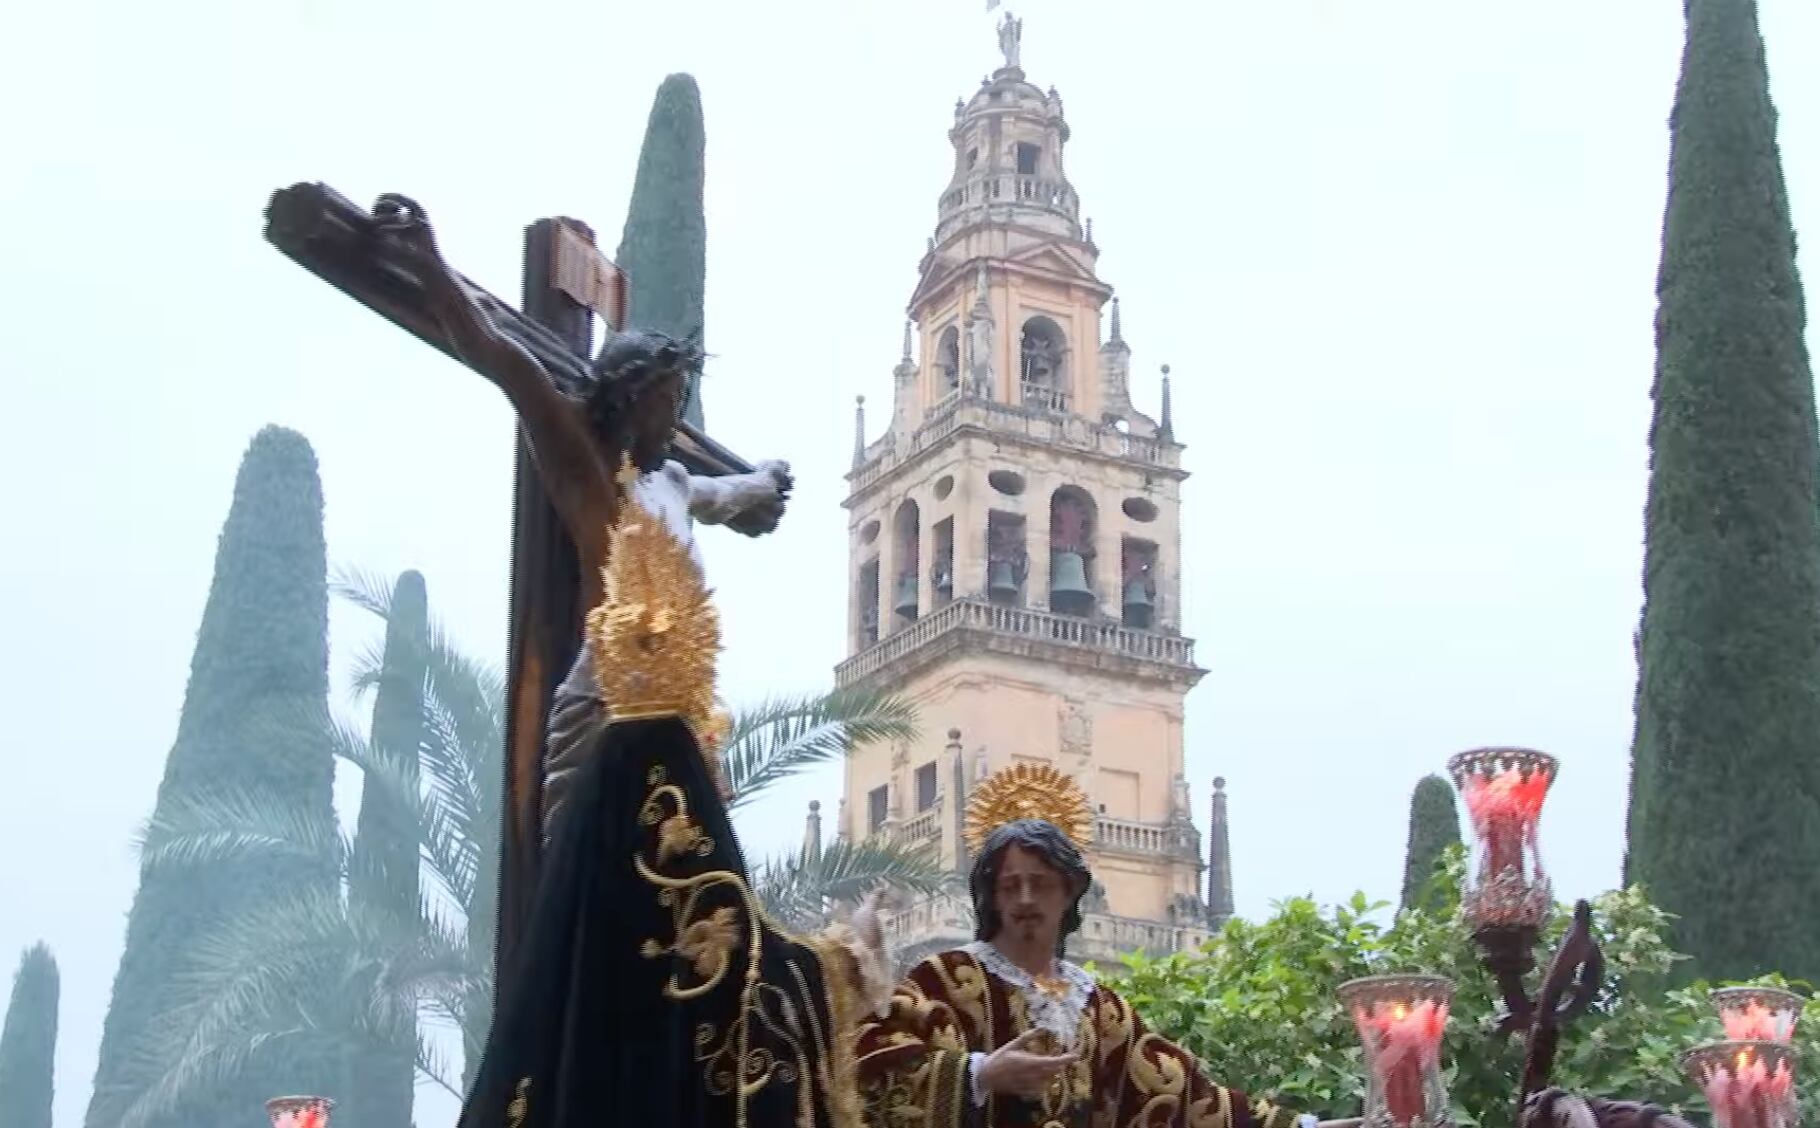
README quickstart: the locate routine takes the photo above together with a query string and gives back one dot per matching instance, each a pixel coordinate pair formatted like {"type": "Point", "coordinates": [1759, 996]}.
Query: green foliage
{"type": "Point", "coordinates": [383, 874]}
{"type": "Point", "coordinates": [1434, 825]}
{"type": "Point", "coordinates": [1724, 772]}
{"type": "Point", "coordinates": [261, 653]}
{"type": "Point", "coordinates": [28, 1043]}
{"type": "Point", "coordinates": [780, 737]}
{"type": "Point", "coordinates": [797, 890]}
{"type": "Point", "coordinates": [664, 248]}
{"type": "Point", "coordinates": [359, 976]}
{"type": "Point", "coordinates": [1259, 1006]}
{"type": "Point", "coordinates": [356, 977]}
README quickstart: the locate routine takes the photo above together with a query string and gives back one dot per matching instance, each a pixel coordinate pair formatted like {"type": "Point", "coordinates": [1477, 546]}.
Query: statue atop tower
{"type": "Point", "coordinates": [1010, 41]}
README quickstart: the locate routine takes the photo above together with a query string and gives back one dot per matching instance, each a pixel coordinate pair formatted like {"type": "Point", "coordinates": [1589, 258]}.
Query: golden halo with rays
{"type": "Point", "coordinates": [1029, 791]}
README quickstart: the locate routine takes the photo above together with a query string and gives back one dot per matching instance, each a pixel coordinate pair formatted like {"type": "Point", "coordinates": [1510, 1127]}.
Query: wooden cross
{"type": "Point", "coordinates": [567, 281]}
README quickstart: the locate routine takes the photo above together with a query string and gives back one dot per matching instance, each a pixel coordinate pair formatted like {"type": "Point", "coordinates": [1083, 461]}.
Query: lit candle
{"type": "Point", "coordinates": [1758, 1014]}
{"type": "Point", "coordinates": [1400, 1020]}
{"type": "Point", "coordinates": [299, 1112]}
{"type": "Point", "coordinates": [1504, 789]}
{"type": "Point", "coordinates": [1746, 1084]}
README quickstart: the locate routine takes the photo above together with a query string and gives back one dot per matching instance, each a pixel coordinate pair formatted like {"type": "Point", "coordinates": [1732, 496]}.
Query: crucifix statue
{"type": "Point", "coordinates": [578, 421]}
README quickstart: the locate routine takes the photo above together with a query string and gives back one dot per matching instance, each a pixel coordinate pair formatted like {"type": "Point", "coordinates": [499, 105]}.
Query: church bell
{"type": "Point", "coordinates": [905, 603]}
{"type": "Point", "coordinates": [1138, 604]}
{"type": "Point", "coordinates": [1001, 584]}
{"type": "Point", "coordinates": [1068, 590]}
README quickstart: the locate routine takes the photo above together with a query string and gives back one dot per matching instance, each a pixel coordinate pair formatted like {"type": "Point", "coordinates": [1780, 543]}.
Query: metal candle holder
{"type": "Point", "coordinates": [1509, 898]}
{"type": "Point", "coordinates": [1747, 1084]}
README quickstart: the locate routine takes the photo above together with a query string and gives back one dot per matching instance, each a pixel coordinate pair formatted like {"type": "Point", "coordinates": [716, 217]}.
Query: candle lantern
{"type": "Point", "coordinates": [1758, 1014]}
{"type": "Point", "coordinates": [1400, 1019]}
{"type": "Point", "coordinates": [1503, 789]}
{"type": "Point", "coordinates": [1748, 1084]}
{"type": "Point", "coordinates": [299, 1112]}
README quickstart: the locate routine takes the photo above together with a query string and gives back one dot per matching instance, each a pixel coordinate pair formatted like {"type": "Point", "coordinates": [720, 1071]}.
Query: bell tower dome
{"type": "Point", "coordinates": [1015, 542]}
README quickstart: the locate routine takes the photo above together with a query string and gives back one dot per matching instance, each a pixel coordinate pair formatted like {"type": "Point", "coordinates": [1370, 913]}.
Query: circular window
{"type": "Point", "coordinates": [944, 487]}
{"type": "Point", "coordinates": [868, 532]}
{"type": "Point", "coordinates": [1140, 509]}
{"type": "Point", "coordinates": [1008, 482]}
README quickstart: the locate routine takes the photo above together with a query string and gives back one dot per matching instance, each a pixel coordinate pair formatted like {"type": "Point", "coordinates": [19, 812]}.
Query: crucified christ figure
{"type": "Point", "coordinates": [629, 409]}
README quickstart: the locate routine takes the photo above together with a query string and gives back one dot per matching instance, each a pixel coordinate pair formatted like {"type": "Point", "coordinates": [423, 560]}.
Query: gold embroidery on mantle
{"type": "Point", "coordinates": [520, 1105]}
{"type": "Point", "coordinates": [716, 921]}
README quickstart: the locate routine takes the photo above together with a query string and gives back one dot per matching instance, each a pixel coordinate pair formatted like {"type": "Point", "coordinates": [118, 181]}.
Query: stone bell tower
{"type": "Point", "coordinates": [1015, 549]}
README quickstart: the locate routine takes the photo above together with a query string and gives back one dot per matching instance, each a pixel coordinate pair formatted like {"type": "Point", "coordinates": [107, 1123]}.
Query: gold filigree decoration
{"type": "Point", "coordinates": [1029, 791]}
{"type": "Point", "coordinates": [656, 636]}
{"type": "Point", "coordinates": [520, 1105]}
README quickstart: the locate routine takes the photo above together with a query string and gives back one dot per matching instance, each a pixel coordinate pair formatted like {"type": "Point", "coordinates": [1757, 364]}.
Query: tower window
{"type": "Point", "coordinates": [941, 571]}
{"type": "Point", "coordinates": [925, 786]}
{"type": "Point", "coordinates": [1137, 583]}
{"type": "Point", "coordinates": [1071, 538]}
{"type": "Point", "coordinates": [1026, 158]}
{"type": "Point", "coordinates": [878, 805]}
{"type": "Point", "coordinates": [1006, 560]}
{"type": "Point", "coordinates": [973, 157]}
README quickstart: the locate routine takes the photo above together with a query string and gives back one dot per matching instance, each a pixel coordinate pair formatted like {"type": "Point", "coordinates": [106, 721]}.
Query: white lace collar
{"type": "Point", "coordinates": [1059, 1013]}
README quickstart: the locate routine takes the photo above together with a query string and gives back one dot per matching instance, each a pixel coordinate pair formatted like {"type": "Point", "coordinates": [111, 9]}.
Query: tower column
{"type": "Point", "coordinates": [1108, 545]}
{"type": "Point", "coordinates": [888, 567]}
{"type": "Point", "coordinates": [1036, 542]}
{"type": "Point", "coordinates": [1219, 858]}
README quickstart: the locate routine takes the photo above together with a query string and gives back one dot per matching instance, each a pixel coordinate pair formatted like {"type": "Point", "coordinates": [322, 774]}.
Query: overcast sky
{"type": "Point", "coordinates": [1400, 256]}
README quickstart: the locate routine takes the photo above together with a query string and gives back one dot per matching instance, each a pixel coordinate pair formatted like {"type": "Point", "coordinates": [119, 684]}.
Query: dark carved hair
{"type": "Point", "coordinates": [1046, 841]}
{"type": "Point", "coordinates": [636, 392]}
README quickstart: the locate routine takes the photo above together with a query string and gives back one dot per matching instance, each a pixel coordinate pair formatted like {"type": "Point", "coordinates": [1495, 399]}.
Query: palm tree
{"type": "Point", "coordinates": [325, 967]}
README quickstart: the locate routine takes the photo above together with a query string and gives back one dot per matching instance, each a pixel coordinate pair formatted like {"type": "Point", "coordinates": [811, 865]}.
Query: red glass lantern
{"type": "Point", "coordinates": [1758, 1014]}
{"type": "Point", "coordinates": [299, 1112]}
{"type": "Point", "coordinates": [1748, 1084]}
{"type": "Point", "coordinates": [1504, 789]}
{"type": "Point", "coordinates": [1400, 1019]}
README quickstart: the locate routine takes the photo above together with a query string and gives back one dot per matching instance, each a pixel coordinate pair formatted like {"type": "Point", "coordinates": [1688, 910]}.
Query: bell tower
{"type": "Point", "coordinates": [1015, 549]}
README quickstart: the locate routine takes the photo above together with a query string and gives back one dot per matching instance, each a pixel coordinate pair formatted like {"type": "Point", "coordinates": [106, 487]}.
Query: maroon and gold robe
{"type": "Point", "coordinates": [913, 1062]}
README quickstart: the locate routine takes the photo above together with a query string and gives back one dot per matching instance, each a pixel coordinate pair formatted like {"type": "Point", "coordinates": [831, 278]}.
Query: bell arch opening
{"type": "Point", "coordinates": [1073, 520]}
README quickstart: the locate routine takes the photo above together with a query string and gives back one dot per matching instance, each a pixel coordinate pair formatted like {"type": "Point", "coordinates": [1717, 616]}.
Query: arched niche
{"type": "Point", "coordinates": [1042, 365]}
{"type": "Point", "coordinates": [948, 361]}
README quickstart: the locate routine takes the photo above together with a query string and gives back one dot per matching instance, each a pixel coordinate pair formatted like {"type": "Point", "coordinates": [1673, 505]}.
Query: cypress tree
{"type": "Point", "coordinates": [28, 1043]}
{"type": "Point", "coordinates": [258, 674]}
{"type": "Point", "coordinates": [383, 878]}
{"type": "Point", "coordinates": [664, 248]}
{"type": "Point", "coordinates": [1723, 820]}
{"type": "Point", "coordinates": [1434, 825]}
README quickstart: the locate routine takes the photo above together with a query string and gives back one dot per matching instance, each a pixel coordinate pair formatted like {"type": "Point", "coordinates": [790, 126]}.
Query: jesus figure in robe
{"type": "Point", "coordinates": [1005, 1033]}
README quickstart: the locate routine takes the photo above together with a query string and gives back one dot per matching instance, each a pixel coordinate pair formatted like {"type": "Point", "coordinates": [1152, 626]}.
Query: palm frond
{"type": "Point", "coordinates": [783, 736]}
{"type": "Point", "coordinates": [249, 983]}
{"type": "Point", "coordinates": [433, 1064]}
{"type": "Point", "coordinates": [237, 825]}
{"type": "Point", "coordinates": [797, 890]}
{"type": "Point", "coordinates": [203, 1072]}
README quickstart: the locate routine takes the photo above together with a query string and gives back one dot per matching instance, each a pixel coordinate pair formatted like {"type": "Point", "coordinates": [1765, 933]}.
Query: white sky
{"type": "Point", "coordinates": [1401, 257]}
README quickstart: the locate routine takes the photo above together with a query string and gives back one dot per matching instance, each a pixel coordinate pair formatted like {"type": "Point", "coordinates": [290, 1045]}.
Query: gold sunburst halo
{"type": "Point", "coordinates": [655, 638]}
{"type": "Point", "coordinates": [1029, 791]}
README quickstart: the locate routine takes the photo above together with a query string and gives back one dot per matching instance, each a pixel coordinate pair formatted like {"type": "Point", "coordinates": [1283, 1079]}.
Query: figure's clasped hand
{"type": "Point", "coordinates": [1017, 1069]}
